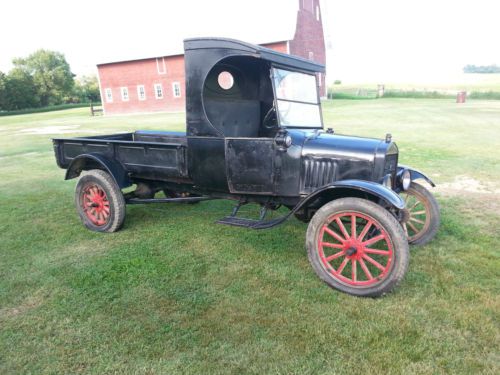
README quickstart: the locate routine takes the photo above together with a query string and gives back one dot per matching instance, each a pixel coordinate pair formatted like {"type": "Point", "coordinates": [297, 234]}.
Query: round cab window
{"type": "Point", "coordinates": [225, 80]}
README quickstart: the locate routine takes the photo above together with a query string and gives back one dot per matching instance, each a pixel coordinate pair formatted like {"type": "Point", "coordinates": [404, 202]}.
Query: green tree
{"type": "Point", "coordinates": [20, 91]}
{"type": "Point", "coordinates": [3, 81]}
{"type": "Point", "coordinates": [51, 75]}
{"type": "Point", "coordinates": [87, 89]}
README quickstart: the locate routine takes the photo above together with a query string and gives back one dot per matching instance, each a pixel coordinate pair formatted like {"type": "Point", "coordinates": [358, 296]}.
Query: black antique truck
{"type": "Point", "coordinates": [255, 134]}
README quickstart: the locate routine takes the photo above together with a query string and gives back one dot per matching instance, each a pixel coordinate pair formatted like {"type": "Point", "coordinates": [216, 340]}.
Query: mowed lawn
{"type": "Point", "coordinates": [173, 292]}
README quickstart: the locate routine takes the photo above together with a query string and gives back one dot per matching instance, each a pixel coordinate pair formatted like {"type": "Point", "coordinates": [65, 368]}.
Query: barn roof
{"type": "Point", "coordinates": [276, 22]}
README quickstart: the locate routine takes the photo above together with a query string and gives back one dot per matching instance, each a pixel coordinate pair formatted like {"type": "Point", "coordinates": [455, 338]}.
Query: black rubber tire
{"type": "Point", "coordinates": [385, 220]}
{"type": "Point", "coordinates": [114, 196]}
{"type": "Point", "coordinates": [432, 218]}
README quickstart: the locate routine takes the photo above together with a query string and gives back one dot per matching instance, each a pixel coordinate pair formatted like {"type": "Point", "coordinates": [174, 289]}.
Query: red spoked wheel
{"type": "Point", "coordinates": [95, 203]}
{"type": "Point", "coordinates": [421, 216]}
{"type": "Point", "coordinates": [354, 248]}
{"type": "Point", "coordinates": [358, 247]}
{"type": "Point", "coordinates": [99, 202]}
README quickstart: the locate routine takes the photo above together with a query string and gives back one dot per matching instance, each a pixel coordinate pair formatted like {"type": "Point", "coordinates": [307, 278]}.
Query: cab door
{"type": "Point", "coordinates": [250, 165]}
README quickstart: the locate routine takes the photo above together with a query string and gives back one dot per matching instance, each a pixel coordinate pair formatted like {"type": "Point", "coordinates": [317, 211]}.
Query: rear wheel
{"type": "Point", "coordinates": [420, 215]}
{"type": "Point", "coordinates": [357, 247]}
{"type": "Point", "coordinates": [99, 202]}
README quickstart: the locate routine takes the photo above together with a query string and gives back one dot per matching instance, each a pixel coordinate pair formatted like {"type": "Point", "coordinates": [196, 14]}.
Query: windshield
{"type": "Point", "coordinates": [297, 99]}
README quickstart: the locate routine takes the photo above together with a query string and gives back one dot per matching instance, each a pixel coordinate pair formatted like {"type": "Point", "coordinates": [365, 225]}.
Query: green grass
{"type": "Point", "coordinates": [173, 292]}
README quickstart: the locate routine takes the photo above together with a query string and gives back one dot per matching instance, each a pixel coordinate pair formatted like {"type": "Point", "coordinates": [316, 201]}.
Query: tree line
{"type": "Point", "coordinates": [43, 79]}
{"type": "Point", "coordinates": [484, 69]}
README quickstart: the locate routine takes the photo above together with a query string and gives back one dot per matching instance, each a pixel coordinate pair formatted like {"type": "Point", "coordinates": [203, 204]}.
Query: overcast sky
{"type": "Point", "coordinates": [383, 40]}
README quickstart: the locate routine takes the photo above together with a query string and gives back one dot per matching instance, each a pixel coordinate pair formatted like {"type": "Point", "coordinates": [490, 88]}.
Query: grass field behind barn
{"type": "Point", "coordinates": [173, 292]}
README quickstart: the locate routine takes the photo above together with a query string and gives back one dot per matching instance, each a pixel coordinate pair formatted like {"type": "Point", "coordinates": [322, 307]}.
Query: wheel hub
{"type": "Point", "coordinates": [351, 251]}
{"type": "Point", "coordinates": [405, 215]}
{"type": "Point", "coordinates": [96, 205]}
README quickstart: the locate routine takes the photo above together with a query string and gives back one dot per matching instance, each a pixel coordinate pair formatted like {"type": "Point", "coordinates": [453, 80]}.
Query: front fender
{"type": "Point", "coordinates": [346, 188]}
{"type": "Point", "coordinates": [341, 189]}
{"type": "Point", "coordinates": [98, 161]}
{"type": "Point", "coordinates": [416, 175]}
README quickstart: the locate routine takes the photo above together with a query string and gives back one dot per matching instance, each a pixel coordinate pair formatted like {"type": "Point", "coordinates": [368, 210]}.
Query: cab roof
{"type": "Point", "coordinates": [237, 47]}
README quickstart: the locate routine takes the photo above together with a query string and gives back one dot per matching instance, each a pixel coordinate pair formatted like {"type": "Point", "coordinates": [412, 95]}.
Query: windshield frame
{"type": "Point", "coordinates": [318, 104]}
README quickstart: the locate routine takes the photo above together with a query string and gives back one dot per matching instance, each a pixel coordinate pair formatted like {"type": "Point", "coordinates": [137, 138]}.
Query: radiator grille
{"type": "Point", "coordinates": [391, 163]}
{"type": "Point", "coordinates": [318, 172]}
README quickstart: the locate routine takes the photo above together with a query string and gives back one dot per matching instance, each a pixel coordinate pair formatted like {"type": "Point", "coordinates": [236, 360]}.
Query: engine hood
{"type": "Point", "coordinates": [327, 158]}
{"type": "Point", "coordinates": [341, 146]}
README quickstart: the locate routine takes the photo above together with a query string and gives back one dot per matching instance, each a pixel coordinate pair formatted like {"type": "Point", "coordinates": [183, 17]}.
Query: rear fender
{"type": "Point", "coordinates": [85, 162]}
{"type": "Point", "coordinates": [416, 175]}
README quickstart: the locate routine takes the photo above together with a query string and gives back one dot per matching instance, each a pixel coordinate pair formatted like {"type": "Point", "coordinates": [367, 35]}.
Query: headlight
{"type": "Point", "coordinates": [405, 179]}
{"type": "Point", "coordinates": [288, 141]}
{"type": "Point", "coordinates": [387, 182]}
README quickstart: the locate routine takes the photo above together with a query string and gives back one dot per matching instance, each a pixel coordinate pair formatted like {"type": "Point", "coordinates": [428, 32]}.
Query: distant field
{"type": "Point", "coordinates": [175, 293]}
{"type": "Point", "coordinates": [463, 82]}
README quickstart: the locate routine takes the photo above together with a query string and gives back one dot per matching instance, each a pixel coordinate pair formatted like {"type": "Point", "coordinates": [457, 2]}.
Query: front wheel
{"type": "Point", "coordinates": [420, 216]}
{"type": "Point", "coordinates": [357, 247]}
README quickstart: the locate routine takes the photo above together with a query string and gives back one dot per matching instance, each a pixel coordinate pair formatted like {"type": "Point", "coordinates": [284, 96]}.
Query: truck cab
{"type": "Point", "coordinates": [240, 100]}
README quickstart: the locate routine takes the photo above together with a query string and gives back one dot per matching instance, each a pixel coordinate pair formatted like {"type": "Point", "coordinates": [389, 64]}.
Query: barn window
{"type": "Point", "coordinates": [158, 91]}
{"type": "Point", "coordinates": [124, 91]}
{"type": "Point", "coordinates": [176, 88]}
{"type": "Point", "coordinates": [109, 95]}
{"type": "Point", "coordinates": [160, 65]}
{"type": "Point", "coordinates": [141, 92]}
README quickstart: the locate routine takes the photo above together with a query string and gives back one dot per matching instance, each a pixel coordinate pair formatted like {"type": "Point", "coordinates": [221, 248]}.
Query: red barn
{"type": "Point", "coordinates": [157, 83]}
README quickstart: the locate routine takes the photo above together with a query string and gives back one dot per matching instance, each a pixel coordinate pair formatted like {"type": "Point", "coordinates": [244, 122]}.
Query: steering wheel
{"type": "Point", "coordinates": [270, 120]}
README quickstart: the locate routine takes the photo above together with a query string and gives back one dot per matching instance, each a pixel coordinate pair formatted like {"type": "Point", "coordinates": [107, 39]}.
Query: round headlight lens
{"type": "Point", "coordinates": [288, 141]}
{"type": "Point", "coordinates": [405, 179]}
{"type": "Point", "coordinates": [387, 182]}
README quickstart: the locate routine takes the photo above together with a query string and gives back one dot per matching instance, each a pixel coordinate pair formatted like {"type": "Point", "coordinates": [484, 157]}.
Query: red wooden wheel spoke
{"type": "Point", "coordinates": [418, 212]}
{"type": "Point", "coordinates": [354, 275]}
{"type": "Point", "coordinates": [376, 251]}
{"type": "Point", "coordinates": [333, 245]}
{"type": "Point", "coordinates": [353, 226]}
{"type": "Point", "coordinates": [374, 262]}
{"type": "Point", "coordinates": [342, 265]}
{"type": "Point", "coordinates": [417, 220]}
{"type": "Point", "coordinates": [334, 256]}
{"type": "Point", "coordinates": [373, 240]}
{"type": "Point", "coordinates": [365, 269]}
{"type": "Point", "coordinates": [364, 231]}
{"type": "Point", "coordinates": [415, 205]}
{"type": "Point", "coordinates": [413, 227]}
{"type": "Point", "coordinates": [342, 228]}
{"type": "Point", "coordinates": [333, 234]}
